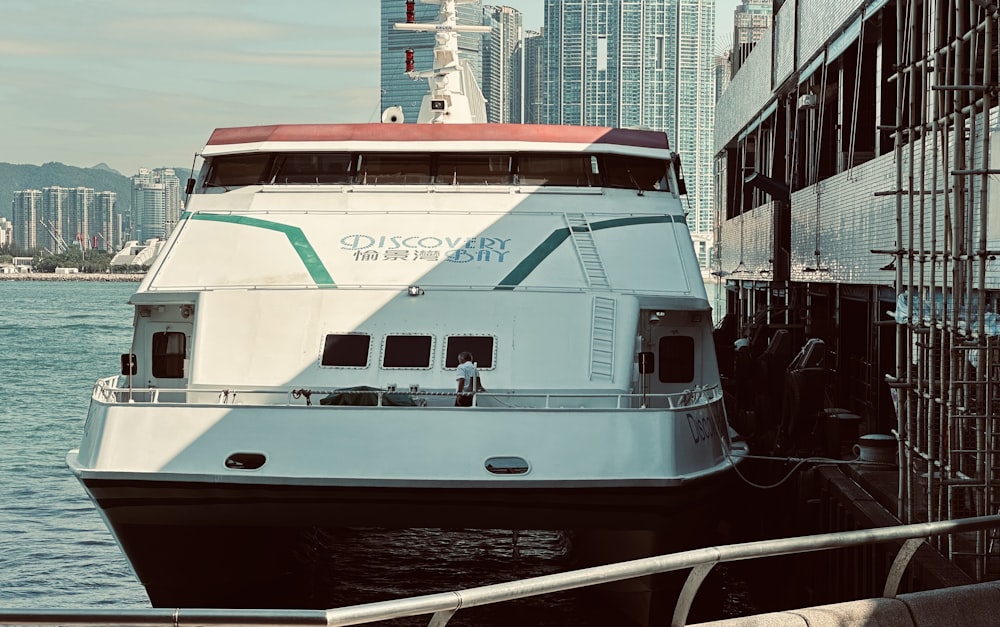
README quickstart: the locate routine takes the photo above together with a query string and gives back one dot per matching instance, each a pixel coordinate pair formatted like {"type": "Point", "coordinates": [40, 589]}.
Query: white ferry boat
{"type": "Point", "coordinates": [297, 340]}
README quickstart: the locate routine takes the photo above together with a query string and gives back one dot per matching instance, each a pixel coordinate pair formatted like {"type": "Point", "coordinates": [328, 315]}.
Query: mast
{"type": "Point", "coordinates": [454, 95]}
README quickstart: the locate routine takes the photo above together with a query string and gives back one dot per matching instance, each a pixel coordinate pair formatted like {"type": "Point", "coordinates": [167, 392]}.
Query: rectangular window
{"type": "Point", "coordinates": [635, 173]}
{"type": "Point", "coordinates": [602, 53]}
{"type": "Point", "coordinates": [347, 350]}
{"type": "Point", "coordinates": [473, 169]}
{"type": "Point", "coordinates": [552, 169]}
{"type": "Point", "coordinates": [394, 169]}
{"type": "Point", "coordinates": [169, 351]}
{"type": "Point", "coordinates": [659, 52]}
{"type": "Point", "coordinates": [481, 347]}
{"type": "Point", "coordinates": [407, 351]}
{"type": "Point", "coordinates": [676, 357]}
{"type": "Point", "coordinates": [329, 169]}
{"type": "Point", "coordinates": [238, 170]}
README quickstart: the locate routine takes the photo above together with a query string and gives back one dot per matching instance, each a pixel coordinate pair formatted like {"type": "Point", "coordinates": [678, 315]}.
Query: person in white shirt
{"type": "Point", "coordinates": [466, 377]}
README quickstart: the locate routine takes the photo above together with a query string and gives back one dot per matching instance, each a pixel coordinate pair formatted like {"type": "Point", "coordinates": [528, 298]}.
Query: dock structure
{"type": "Point", "coordinates": [858, 221]}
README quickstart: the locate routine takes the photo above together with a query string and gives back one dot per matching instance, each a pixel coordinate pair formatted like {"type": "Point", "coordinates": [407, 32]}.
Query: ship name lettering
{"type": "Point", "coordinates": [701, 428]}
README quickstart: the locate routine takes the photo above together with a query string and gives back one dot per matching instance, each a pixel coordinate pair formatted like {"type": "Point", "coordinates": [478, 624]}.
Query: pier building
{"type": "Point", "coordinates": [858, 236]}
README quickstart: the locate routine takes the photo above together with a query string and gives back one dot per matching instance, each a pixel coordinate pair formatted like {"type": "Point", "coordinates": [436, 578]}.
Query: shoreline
{"type": "Point", "coordinates": [104, 277]}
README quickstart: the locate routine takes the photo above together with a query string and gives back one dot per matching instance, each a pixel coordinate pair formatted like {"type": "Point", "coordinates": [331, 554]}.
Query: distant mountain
{"type": "Point", "coordinates": [100, 177]}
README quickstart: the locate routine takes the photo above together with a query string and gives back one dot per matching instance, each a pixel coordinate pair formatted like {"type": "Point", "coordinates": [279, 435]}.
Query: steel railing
{"type": "Point", "coordinates": [107, 391]}
{"type": "Point", "coordinates": [442, 606]}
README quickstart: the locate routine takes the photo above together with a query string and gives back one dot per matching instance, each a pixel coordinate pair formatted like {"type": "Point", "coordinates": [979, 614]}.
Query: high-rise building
{"type": "Point", "coordinates": [76, 228]}
{"type": "Point", "coordinates": [638, 63]}
{"type": "Point", "coordinates": [751, 20]}
{"type": "Point", "coordinates": [501, 69]}
{"type": "Point", "coordinates": [54, 219]}
{"type": "Point", "coordinates": [533, 84]}
{"type": "Point", "coordinates": [6, 232]}
{"type": "Point", "coordinates": [26, 211]}
{"type": "Point", "coordinates": [156, 203]}
{"type": "Point", "coordinates": [398, 89]}
{"type": "Point", "coordinates": [105, 228]}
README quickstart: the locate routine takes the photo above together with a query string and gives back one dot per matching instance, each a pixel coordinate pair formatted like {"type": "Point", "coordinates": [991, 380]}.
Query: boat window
{"type": "Point", "coordinates": [634, 173]}
{"type": "Point", "coordinates": [169, 351]}
{"type": "Point", "coordinates": [481, 347]}
{"type": "Point", "coordinates": [238, 170]}
{"type": "Point", "coordinates": [346, 350]}
{"type": "Point", "coordinates": [407, 351]}
{"type": "Point", "coordinates": [676, 359]}
{"type": "Point", "coordinates": [394, 169]}
{"type": "Point", "coordinates": [556, 169]}
{"type": "Point", "coordinates": [331, 169]}
{"type": "Point", "coordinates": [474, 169]}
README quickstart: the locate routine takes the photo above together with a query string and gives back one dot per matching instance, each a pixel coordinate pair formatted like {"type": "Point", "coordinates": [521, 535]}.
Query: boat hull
{"type": "Point", "coordinates": [200, 544]}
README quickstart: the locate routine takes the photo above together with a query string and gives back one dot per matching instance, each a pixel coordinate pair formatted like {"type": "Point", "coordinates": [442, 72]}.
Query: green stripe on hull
{"type": "Point", "coordinates": [552, 242]}
{"type": "Point", "coordinates": [298, 240]}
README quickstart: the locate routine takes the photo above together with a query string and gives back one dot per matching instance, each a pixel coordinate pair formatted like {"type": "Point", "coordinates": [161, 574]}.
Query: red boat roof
{"type": "Point", "coordinates": [379, 132]}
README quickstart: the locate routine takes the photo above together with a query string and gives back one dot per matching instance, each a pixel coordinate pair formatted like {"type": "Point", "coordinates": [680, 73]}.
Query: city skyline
{"type": "Point", "coordinates": [122, 84]}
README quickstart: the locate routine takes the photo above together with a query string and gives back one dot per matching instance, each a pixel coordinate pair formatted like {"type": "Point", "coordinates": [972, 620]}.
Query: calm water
{"type": "Point", "coordinates": [56, 340]}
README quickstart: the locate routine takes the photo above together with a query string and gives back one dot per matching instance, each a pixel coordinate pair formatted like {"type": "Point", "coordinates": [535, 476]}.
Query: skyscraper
{"type": "Point", "coordinates": [78, 216]}
{"type": "Point", "coordinates": [533, 85]}
{"type": "Point", "coordinates": [26, 210]}
{"type": "Point", "coordinates": [156, 203]}
{"type": "Point", "coordinates": [501, 70]}
{"type": "Point", "coordinates": [398, 89]}
{"type": "Point", "coordinates": [54, 219]}
{"type": "Point", "coordinates": [105, 229]}
{"type": "Point", "coordinates": [638, 63]}
{"type": "Point", "coordinates": [750, 21]}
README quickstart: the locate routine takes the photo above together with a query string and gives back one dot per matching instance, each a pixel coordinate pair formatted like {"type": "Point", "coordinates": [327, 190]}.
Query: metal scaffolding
{"type": "Point", "coordinates": [948, 354]}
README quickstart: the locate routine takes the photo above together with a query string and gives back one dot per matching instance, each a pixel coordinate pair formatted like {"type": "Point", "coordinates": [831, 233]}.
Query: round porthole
{"type": "Point", "coordinates": [245, 461]}
{"type": "Point", "coordinates": [507, 465]}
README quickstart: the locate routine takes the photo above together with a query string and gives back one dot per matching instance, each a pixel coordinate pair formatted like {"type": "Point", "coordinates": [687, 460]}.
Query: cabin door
{"type": "Point", "coordinates": [167, 350]}
{"type": "Point", "coordinates": [673, 367]}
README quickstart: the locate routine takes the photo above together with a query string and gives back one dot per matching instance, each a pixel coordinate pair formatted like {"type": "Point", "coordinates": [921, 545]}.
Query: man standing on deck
{"type": "Point", "coordinates": [466, 377]}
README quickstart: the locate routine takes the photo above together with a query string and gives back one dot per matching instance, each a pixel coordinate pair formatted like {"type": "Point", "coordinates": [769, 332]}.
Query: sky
{"type": "Point", "coordinates": [143, 84]}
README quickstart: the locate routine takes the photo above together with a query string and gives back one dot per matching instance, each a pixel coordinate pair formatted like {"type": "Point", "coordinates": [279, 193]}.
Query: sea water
{"type": "Point", "coordinates": [56, 340]}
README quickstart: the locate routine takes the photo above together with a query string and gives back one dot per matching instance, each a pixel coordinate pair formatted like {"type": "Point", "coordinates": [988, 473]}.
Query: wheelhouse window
{"type": "Point", "coordinates": [394, 169]}
{"type": "Point", "coordinates": [556, 169]}
{"type": "Point", "coordinates": [239, 170]}
{"type": "Point", "coordinates": [481, 347]}
{"type": "Point", "coordinates": [305, 168]}
{"type": "Point", "coordinates": [676, 359]}
{"type": "Point", "coordinates": [346, 350]}
{"type": "Point", "coordinates": [635, 173]}
{"type": "Point", "coordinates": [169, 351]}
{"type": "Point", "coordinates": [474, 169]}
{"type": "Point", "coordinates": [381, 168]}
{"type": "Point", "coordinates": [407, 351]}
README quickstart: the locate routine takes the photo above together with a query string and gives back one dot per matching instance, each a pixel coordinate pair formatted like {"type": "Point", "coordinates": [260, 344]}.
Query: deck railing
{"type": "Point", "coordinates": [442, 606]}
{"type": "Point", "coordinates": [107, 390]}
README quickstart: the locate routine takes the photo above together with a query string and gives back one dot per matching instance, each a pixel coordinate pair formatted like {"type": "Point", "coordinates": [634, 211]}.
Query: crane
{"type": "Point", "coordinates": [61, 245]}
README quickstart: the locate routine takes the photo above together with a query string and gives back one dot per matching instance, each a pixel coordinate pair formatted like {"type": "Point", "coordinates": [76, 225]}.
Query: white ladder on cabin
{"type": "Point", "coordinates": [583, 240]}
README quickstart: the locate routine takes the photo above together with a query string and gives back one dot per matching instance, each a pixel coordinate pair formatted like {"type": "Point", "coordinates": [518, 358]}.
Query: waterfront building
{"type": "Point", "coordinates": [501, 67]}
{"type": "Point", "coordinates": [54, 219]}
{"type": "Point", "coordinates": [26, 209]}
{"type": "Point", "coordinates": [856, 151]}
{"type": "Point", "coordinates": [77, 228]}
{"type": "Point", "coordinates": [6, 232]}
{"type": "Point", "coordinates": [156, 203]}
{"type": "Point", "coordinates": [751, 21]}
{"type": "Point", "coordinates": [639, 64]}
{"type": "Point", "coordinates": [398, 89]}
{"type": "Point", "coordinates": [533, 72]}
{"type": "Point", "coordinates": [105, 223]}
{"type": "Point", "coordinates": [723, 71]}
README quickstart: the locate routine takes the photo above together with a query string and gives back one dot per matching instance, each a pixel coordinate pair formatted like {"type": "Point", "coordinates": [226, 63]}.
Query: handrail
{"type": "Point", "coordinates": [443, 605]}
{"type": "Point", "coordinates": [106, 391]}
